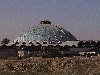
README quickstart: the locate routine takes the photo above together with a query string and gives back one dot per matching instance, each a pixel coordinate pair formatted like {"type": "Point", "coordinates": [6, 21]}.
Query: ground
{"type": "Point", "coordinates": [76, 65]}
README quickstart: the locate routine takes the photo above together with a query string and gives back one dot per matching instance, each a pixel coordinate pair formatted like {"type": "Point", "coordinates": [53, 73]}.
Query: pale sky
{"type": "Point", "coordinates": [80, 17]}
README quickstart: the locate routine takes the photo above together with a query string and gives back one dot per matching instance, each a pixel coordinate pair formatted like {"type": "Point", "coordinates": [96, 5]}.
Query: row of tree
{"type": "Point", "coordinates": [47, 51]}
{"type": "Point", "coordinates": [81, 44]}
{"type": "Point", "coordinates": [89, 44]}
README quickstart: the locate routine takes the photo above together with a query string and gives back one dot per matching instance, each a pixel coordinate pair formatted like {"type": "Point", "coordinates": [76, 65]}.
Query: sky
{"type": "Point", "coordinates": [80, 17]}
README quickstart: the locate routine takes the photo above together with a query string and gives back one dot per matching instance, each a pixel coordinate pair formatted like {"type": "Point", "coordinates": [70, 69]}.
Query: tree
{"type": "Point", "coordinates": [73, 46]}
{"type": "Point", "coordinates": [44, 42]}
{"type": "Point", "coordinates": [57, 47]}
{"type": "Point", "coordinates": [80, 44]}
{"type": "Point", "coordinates": [98, 44]}
{"type": "Point", "coordinates": [17, 43]}
{"type": "Point", "coordinates": [37, 43]}
{"type": "Point", "coordinates": [14, 46]}
{"type": "Point", "coordinates": [32, 46]}
{"type": "Point", "coordinates": [93, 43]}
{"type": "Point", "coordinates": [31, 43]}
{"type": "Point", "coordinates": [23, 43]}
{"type": "Point", "coordinates": [48, 52]}
{"type": "Point", "coordinates": [87, 44]}
{"type": "Point", "coordinates": [66, 48]}
{"type": "Point", "coordinates": [5, 41]}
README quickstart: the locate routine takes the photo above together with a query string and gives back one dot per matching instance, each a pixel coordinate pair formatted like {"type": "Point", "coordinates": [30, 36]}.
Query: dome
{"type": "Point", "coordinates": [45, 32]}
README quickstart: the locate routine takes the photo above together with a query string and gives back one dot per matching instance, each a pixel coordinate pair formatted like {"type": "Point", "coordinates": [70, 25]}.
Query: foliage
{"type": "Point", "coordinates": [5, 41]}
{"type": "Point", "coordinates": [48, 52]}
{"type": "Point", "coordinates": [80, 44]}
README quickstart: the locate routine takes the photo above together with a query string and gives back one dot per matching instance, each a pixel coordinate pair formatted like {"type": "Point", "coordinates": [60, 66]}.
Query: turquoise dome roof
{"type": "Point", "coordinates": [45, 32]}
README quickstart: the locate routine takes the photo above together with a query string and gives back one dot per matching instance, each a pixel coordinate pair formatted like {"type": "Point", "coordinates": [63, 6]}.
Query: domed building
{"type": "Point", "coordinates": [45, 32]}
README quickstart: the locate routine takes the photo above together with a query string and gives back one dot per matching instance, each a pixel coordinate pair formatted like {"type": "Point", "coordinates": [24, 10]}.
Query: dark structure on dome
{"type": "Point", "coordinates": [45, 32]}
{"type": "Point", "coordinates": [45, 22]}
